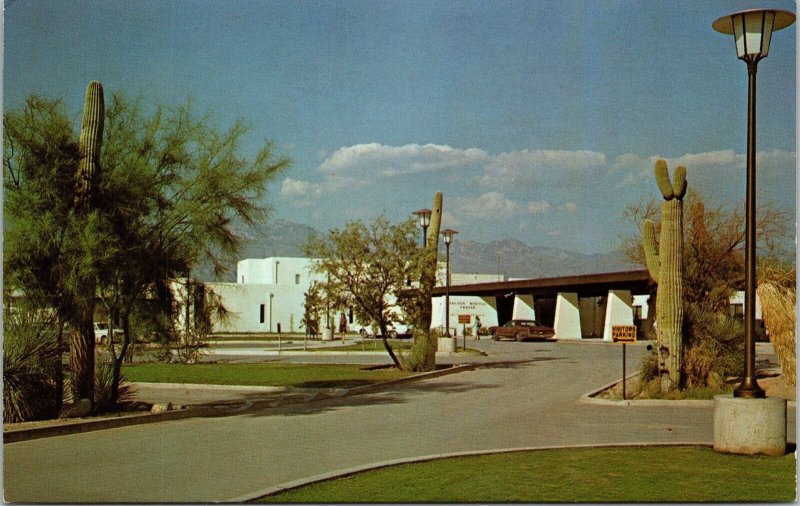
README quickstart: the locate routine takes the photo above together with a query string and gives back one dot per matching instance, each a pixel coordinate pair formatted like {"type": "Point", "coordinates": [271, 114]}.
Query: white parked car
{"type": "Point", "coordinates": [101, 332]}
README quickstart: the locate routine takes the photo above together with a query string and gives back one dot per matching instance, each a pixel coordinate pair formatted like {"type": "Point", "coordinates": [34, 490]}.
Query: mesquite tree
{"type": "Point", "coordinates": [366, 268]}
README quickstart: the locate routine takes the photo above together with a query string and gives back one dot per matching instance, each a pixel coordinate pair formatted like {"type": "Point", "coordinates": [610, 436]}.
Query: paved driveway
{"type": "Point", "coordinates": [218, 459]}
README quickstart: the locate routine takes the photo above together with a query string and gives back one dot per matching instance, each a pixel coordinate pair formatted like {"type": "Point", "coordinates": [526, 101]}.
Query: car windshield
{"type": "Point", "coordinates": [101, 326]}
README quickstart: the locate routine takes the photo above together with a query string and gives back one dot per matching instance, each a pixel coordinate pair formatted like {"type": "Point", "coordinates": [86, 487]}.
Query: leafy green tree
{"type": "Point", "coordinates": [367, 267]}
{"type": "Point", "coordinates": [175, 191]}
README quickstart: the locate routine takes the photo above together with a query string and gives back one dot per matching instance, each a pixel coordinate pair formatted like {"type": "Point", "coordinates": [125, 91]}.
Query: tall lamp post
{"type": "Point", "coordinates": [448, 234]}
{"type": "Point", "coordinates": [424, 221]}
{"type": "Point", "coordinates": [752, 31]}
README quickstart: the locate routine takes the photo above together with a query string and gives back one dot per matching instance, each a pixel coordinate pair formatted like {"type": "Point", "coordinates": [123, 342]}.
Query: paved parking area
{"type": "Point", "coordinates": [507, 405]}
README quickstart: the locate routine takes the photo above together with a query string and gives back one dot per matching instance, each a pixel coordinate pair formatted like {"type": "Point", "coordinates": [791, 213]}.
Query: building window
{"type": "Point", "coordinates": [297, 279]}
{"type": "Point", "coordinates": [261, 313]}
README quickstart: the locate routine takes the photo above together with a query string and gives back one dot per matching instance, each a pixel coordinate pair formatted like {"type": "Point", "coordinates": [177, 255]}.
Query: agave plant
{"type": "Point", "coordinates": [30, 358]}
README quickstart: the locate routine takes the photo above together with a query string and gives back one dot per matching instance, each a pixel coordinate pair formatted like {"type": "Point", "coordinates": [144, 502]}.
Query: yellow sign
{"type": "Point", "coordinates": [623, 333]}
{"type": "Point", "coordinates": [464, 318]}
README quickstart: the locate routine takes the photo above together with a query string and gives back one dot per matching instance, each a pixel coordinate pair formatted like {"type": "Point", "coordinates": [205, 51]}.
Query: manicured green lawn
{"type": "Point", "coordinates": [368, 345]}
{"type": "Point", "coordinates": [650, 474]}
{"type": "Point", "coordinates": [296, 375]}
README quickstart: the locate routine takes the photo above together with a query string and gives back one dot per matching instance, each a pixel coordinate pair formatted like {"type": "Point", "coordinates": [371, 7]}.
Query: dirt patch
{"type": "Point", "coordinates": [774, 385]}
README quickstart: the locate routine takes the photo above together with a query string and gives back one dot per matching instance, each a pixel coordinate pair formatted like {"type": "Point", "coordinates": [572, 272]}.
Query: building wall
{"type": "Point", "coordinates": [259, 307]}
{"type": "Point", "coordinates": [484, 307]}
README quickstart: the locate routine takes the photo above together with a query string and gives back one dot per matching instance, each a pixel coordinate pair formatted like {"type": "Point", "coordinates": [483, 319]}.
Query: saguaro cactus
{"type": "Point", "coordinates": [89, 144]}
{"type": "Point", "coordinates": [665, 265]}
{"type": "Point", "coordinates": [82, 340]}
{"type": "Point", "coordinates": [427, 348]}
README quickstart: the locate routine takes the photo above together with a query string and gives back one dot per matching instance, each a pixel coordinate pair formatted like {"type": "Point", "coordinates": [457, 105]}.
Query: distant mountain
{"type": "Point", "coordinates": [516, 259]}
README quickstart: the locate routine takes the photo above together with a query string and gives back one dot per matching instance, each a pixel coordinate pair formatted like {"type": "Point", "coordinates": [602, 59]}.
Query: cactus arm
{"type": "Point", "coordinates": [679, 187]}
{"type": "Point", "coordinates": [650, 249]}
{"type": "Point", "coordinates": [662, 180]}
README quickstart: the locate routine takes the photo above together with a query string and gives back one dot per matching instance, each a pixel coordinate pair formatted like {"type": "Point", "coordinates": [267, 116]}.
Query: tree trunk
{"type": "Point", "coordinates": [81, 360]}
{"type": "Point", "coordinates": [59, 373]}
{"type": "Point", "coordinates": [389, 349]}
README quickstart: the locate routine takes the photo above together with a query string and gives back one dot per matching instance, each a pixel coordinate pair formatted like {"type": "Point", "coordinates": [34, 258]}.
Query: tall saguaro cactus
{"type": "Point", "coordinates": [665, 265]}
{"type": "Point", "coordinates": [82, 340]}
{"type": "Point", "coordinates": [427, 283]}
{"type": "Point", "coordinates": [90, 141]}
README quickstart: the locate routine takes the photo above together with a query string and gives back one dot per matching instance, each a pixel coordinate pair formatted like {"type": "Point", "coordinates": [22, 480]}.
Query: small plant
{"type": "Point", "coordinates": [103, 385]}
{"type": "Point", "coordinates": [714, 348]}
{"type": "Point", "coordinates": [30, 358]}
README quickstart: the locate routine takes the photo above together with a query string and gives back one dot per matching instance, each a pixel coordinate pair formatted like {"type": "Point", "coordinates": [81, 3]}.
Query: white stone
{"type": "Point", "coordinates": [446, 344]}
{"type": "Point", "coordinates": [161, 408]}
{"type": "Point", "coordinates": [750, 426]}
{"type": "Point", "coordinates": [568, 317]}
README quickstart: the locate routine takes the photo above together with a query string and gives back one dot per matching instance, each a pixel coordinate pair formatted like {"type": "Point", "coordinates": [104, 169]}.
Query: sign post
{"type": "Point", "coordinates": [623, 334]}
{"type": "Point", "coordinates": [464, 319]}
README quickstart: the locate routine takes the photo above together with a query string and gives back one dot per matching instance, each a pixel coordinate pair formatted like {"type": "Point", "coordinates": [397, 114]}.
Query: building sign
{"type": "Point", "coordinates": [623, 333]}
{"type": "Point", "coordinates": [464, 318]}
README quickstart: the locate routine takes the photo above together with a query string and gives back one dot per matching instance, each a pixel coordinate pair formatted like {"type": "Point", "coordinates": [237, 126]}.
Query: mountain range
{"type": "Point", "coordinates": [512, 257]}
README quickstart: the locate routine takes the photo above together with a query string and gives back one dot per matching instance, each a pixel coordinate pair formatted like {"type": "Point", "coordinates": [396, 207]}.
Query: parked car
{"type": "Point", "coordinates": [101, 332]}
{"type": "Point", "coordinates": [521, 330]}
{"type": "Point", "coordinates": [393, 330]}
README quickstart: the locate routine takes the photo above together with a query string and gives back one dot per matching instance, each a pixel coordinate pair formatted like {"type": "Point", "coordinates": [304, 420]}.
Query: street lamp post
{"type": "Point", "coordinates": [448, 234]}
{"type": "Point", "coordinates": [424, 221]}
{"type": "Point", "coordinates": [752, 31]}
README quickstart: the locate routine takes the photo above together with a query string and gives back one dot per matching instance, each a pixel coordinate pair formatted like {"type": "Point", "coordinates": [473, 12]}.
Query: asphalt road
{"type": "Point", "coordinates": [218, 459]}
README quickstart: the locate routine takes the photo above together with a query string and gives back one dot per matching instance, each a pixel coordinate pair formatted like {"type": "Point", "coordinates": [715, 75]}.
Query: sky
{"type": "Point", "coordinates": [538, 120]}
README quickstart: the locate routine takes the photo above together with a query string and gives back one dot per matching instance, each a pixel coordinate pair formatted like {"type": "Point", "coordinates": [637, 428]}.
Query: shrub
{"type": "Point", "coordinates": [779, 311]}
{"type": "Point", "coordinates": [103, 384]}
{"type": "Point", "coordinates": [30, 360]}
{"type": "Point", "coordinates": [714, 348]}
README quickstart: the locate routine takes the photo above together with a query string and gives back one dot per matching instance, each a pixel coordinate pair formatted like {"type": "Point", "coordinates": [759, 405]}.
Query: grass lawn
{"type": "Point", "coordinates": [286, 336]}
{"type": "Point", "coordinates": [368, 345]}
{"type": "Point", "coordinates": [269, 374]}
{"type": "Point", "coordinates": [651, 474]}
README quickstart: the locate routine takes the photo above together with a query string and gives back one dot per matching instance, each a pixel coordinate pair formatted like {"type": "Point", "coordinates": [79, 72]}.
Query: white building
{"type": "Point", "coordinates": [269, 294]}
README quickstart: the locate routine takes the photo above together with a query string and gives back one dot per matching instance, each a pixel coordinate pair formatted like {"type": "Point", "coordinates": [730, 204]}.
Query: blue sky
{"type": "Point", "coordinates": [538, 120]}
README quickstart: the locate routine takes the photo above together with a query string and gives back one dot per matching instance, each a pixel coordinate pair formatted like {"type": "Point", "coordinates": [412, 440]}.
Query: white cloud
{"type": "Point", "coordinates": [540, 206]}
{"type": "Point", "coordinates": [388, 161]}
{"type": "Point", "coordinates": [570, 207]}
{"type": "Point", "coordinates": [296, 188]}
{"type": "Point", "coordinates": [488, 205]}
{"type": "Point", "coordinates": [545, 167]}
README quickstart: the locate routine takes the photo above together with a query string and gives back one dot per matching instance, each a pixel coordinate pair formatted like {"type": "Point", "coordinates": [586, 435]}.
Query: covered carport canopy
{"type": "Point", "coordinates": [588, 285]}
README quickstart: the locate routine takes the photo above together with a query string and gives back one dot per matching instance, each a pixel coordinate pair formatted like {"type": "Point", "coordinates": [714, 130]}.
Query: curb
{"type": "Point", "coordinates": [15, 436]}
{"type": "Point", "coordinates": [275, 489]}
{"type": "Point", "coordinates": [220, 409]}
{"type": "Point", "coordinates": [590, 398]}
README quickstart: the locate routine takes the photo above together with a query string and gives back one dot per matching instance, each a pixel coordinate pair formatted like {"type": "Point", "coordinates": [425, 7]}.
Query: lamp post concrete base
{"type": "Point", "coordinates": [447, 344]}
{"type": "Point", "coordinates": [750, 426]}
{"type": "Point", "coordinates": [327, 334]}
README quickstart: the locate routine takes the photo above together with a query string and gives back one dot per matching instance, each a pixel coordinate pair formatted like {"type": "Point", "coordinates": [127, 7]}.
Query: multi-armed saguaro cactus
{"type": "Point", "coordinates": [82, 341]}
{"type": "Point", "coordinates": [89, 144]}
{"type": "Point", "coordinates": [666, 268]}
